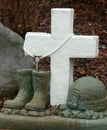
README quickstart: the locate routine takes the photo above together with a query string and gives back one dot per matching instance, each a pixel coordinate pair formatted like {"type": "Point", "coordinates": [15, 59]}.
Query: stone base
{"type": "Point", "coordinates": [17, 122]}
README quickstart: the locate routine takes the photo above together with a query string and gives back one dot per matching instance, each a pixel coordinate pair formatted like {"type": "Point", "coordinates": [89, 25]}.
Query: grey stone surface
{"type": "Point", "coordinates": [11, 59]}
{"type": "Point", "coordinates": [17, 122]}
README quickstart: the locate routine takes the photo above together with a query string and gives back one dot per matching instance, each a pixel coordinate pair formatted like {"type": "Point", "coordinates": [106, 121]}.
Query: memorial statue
{"type": "Point", "coordinates": [39, 91]}
{"type": "Point", "coordinates": [87, 99]}
{"type": "Point", "coordinates": [33, 90]}
{"type": "Point", "coordinates": [87, 93]}
{"type": "Point", "coordinates": [53, 94]}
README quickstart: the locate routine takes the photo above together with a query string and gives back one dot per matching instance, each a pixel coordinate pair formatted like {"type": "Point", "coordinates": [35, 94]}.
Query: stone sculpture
{"type": "Point", "coordinates": [33, 95]}
{"type": "Point", "coordinates": [62, 46]}
{"type": "Point", "coordinates": [87, 93]}
{"type": "Point", "coordinates": [86, 98]}
{"type": "Point", "coordinates": [12, 58]}
{"type": "Point", "coordinates": [33, 92]}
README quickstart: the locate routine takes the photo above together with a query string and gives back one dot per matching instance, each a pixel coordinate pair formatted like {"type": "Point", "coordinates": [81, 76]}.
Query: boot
{"type": "Point", "coordinates": [25, 91]}
{"type": "Point", "coordinates": [41, 82]}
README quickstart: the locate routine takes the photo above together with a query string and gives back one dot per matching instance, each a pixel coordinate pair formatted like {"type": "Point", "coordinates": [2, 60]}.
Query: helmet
{"type": "Point", "coordinates": [87, 93]}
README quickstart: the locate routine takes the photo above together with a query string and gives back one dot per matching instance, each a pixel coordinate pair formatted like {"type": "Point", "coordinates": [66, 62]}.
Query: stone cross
{"type": "Point", "coordinates": [62, 46]}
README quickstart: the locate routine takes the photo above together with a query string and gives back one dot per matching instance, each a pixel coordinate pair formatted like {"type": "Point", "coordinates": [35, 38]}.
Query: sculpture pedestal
{"type": "Point", "coordinates": [17, 122]}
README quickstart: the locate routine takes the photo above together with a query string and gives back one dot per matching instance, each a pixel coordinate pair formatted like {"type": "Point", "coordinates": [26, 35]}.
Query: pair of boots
{"type": "Point", "coordinates": [34, 84]}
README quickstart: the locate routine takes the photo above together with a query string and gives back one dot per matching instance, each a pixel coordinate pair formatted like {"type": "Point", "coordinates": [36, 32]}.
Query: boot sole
{"type": "Point", "coordinates": [13, 107]}
{"type": "Point", "coordinates": [35, 109]}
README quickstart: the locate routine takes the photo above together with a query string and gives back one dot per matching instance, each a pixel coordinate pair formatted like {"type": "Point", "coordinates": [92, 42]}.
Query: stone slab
{"type": "Point", "coordinates": [17, 122]}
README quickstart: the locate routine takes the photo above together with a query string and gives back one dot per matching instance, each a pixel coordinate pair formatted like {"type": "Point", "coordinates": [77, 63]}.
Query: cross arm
{"type": "Point", "coordinates": [81, 47]}
{"type": "Point", "coordinates": [37, 44]}
{"type": "Point", "coordinates": [41, 44]}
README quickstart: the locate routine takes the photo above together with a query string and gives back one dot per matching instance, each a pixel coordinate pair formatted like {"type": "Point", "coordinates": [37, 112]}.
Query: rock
{"type": "Point", "coordinates": [96, 115]}
{"type": "Point", "coordinates": [63, 107]}
{"type": "Point", "coordinates": [89, 114]}
{"type": "Point", "coordinates": [101, 115]}
{"type": "Point", "coordinates": [11, 59]}
{"type": "Point", "coordinates": [41, 114]}
{"type": "Point", "coordinates": [81, 116]}
{"type": "Point", "coordinates": [33, 113]}
{"type": "Point", "coordinates": [75, 112]}
{"type": "Point", "coordinates": [23, 112]}
{"type": "Point", "coordinates": [9, 111]}
{"type": "Point", "coordinates": [73, 116]}
{"type": "Point", "coordinates": [6, 110]}
{"type": "Point", "coordinates": [105, 113]}
{"type": "Point", "coordinates": [55, 110]}
{"type": "Point", "coordinates": [67, 113]}
{"type": "Point", "coordinates": [15, 111]}
{"type": "Point", "coordinates": [48, 112]}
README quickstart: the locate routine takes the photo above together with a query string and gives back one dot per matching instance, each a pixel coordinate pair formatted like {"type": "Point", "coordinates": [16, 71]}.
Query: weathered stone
{"type": "Point", "coordinates": [17, 122]}
{"type": "Point", "coordinates": [7, 110]}
{"type": "Point", "coordinates": [105, 113]}
{"type": "Point", "coordinates": [23, 112]}
{"type": "Point", "coordinates": [87, 93]}
{"type": "Point", "coordinates": [41, 114]}
{"type": "Point", "coordinates": [33, 113]}
{"type": "Point", "coordinates": [63, 107]}
{"type": "Point", "coordinates": [15, 111]}
{"type": "Point", "coordinates": [40, 82]}
{"type": "Point", "coordinates": [59, 113]}
{"type": "Point", "coordinates": [72, 116]}
{"type": "Point", "coordinates": [48, 112]}
{"type": "Point", "coordinates": [55, 110]}
{"type": "Point", "coordinates": [96, 115]}
{"type": "Point", "coordinates": [11, 59]}
{"type": "Point", "coordinates": [25, 91]}
{"type": "Point", "coordinates": [101, 115]}
{"type": "Point", "coordinates": [89, 114]}
{"type": "Point", "coordinates": [67, 113]}
{"type": "Point", "coordinates": [75, 113]}
{"type": "Point", "coordinates": [2, 110]}
{"type": "Point", "coordinates": [81, 116]}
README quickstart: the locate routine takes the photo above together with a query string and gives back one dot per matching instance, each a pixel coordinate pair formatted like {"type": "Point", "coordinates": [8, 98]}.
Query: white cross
{"type": "Point", "coordinates": [62, 46]}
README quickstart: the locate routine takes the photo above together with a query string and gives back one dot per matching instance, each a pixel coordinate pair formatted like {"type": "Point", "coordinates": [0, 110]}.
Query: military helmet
{"type": "Point", "coordinates": [87, 93]}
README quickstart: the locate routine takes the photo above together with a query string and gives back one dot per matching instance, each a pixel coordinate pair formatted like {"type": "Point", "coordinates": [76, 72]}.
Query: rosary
{"type": "Point", "coordinates": [37, 59]}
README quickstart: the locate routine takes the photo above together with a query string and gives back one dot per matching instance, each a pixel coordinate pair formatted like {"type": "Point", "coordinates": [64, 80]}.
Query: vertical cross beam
{"type": "Point", "coordinates": [62, 67]}
{"type": "Point", "coordinates": [62, 22]}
